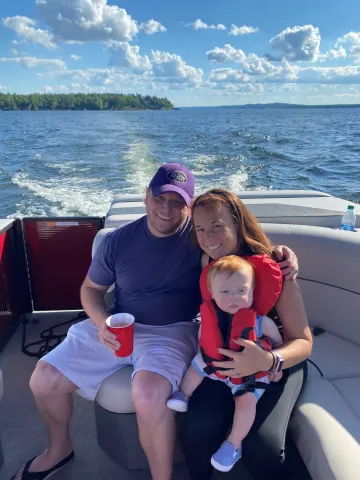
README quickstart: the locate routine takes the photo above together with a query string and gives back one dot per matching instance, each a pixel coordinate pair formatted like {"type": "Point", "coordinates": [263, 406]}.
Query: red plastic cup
{"type": "Point", "coordinates": [122, 324]}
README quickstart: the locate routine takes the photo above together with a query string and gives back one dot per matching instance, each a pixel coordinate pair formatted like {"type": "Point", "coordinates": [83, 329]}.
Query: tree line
{"type": "Point", "coordinates": [82, 101]}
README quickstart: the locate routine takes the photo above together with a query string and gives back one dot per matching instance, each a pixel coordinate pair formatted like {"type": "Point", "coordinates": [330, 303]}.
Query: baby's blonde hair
{"type": "Point", "coordinates": [230, 264]}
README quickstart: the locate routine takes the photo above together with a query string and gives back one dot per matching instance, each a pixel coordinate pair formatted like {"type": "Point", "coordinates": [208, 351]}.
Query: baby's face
{"type": "Point", "coordinates": [234, 292]}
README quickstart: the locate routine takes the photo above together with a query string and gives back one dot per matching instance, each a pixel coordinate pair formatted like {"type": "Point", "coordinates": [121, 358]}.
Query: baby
{"type": "Point", "coordinates": [231, 284]}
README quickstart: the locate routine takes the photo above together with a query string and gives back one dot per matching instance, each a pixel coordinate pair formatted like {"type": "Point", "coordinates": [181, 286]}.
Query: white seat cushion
{"type": "Point", "coordinates": [121, 219]}
{"type": "Point", "coordinates": [99, 237]}
{"type": "Point", "coordinates": [126, 207]}
{"type": "Point", "coordinates": [326, 428]}
{"type": "Point", "coordinates": [115, 392]}
{"type": "Point", "coordinates": [336, 357]}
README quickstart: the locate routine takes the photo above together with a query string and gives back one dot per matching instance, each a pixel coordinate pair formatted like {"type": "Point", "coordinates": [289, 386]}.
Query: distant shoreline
{"type": "Point", "coordinates": [87, 109]}
{"type": "Point", "coordinates": [280, 105]}
{"type": "Point", "coordinates": [82, 101]}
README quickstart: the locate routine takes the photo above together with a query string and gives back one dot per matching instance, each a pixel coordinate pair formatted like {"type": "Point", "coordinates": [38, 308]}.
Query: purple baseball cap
{"type": "Point", "coordinates": [173, 177]}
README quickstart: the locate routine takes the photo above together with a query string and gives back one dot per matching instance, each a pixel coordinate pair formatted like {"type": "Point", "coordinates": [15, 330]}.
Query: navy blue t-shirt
{"type": "Point", "coordinates": [156, 279]}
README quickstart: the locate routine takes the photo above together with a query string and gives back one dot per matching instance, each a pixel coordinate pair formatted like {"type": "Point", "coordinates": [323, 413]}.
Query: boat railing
{"type": "Point", "coordinates": [43, 262]}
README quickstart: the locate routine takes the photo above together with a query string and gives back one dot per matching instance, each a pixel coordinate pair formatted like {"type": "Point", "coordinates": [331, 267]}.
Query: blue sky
{"type": "Point", "coordinates": [195, 52]}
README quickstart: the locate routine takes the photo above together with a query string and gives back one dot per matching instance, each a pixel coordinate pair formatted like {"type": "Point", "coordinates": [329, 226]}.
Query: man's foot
{"type": "Point", "coordinates": [226, 457]}
{"type": "Point", "coordinates": [178, 402]}
{"type": "Point", "coordinates": [26, 474]}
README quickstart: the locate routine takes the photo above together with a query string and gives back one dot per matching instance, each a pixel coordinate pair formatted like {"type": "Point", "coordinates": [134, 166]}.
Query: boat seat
{"type": "Point", "coordinates": [325, 424]}
{"type": "Point", "coordinates": [335, 357]}
{"type": "Point", "coordinates": [326, 428]}
{"type": "Point", "coordinates": [112, 221]}
{"type": "Point", "coordinates": [301, 207]}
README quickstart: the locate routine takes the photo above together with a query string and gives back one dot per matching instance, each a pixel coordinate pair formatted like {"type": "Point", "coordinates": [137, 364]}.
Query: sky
{"type": "Point", "coordinates": [193, 52]}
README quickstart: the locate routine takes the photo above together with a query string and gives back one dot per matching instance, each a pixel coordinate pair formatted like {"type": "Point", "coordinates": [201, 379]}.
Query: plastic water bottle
{"type": "Point", "coordinates": [349, 219]}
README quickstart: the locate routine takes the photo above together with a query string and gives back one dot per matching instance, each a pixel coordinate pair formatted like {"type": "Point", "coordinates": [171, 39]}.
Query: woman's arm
{"type": "Point", "coordinates": [271, 331]}
{"type": "Point", "coordinates": [297, 335]}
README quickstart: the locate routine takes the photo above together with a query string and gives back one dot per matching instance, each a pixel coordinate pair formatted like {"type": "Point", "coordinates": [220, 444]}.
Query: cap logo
{"type": "Point", "coordinates": [177, 176]}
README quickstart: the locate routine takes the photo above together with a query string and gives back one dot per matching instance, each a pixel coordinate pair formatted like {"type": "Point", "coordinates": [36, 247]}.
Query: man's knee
{"type": "Point", "coordinates": [150, 391]}
{"type": "Point", "coordinates": [47, 380]}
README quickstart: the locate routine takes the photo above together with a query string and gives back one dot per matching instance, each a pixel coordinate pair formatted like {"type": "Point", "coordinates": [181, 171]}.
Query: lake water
{"type": "Point", "coordinates": [73, 163]}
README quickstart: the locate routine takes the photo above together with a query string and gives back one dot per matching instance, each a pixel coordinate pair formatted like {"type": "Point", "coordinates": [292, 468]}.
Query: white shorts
{"type": "Point", "coordinates": [199, 365]}
{"type": "Point", "coordinates": [85, 361]}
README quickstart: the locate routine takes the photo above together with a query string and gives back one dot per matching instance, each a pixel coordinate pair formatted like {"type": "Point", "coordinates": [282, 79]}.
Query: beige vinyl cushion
{"type": "Point", "coordinates": [336, 358]}
{"type": "Point", "coordinates": [115, 392]}
{"type": "Point", "coordinates": [326, 428]}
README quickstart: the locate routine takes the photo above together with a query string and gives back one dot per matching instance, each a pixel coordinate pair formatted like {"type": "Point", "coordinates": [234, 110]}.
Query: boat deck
{"type": "Point", "coordinates": [23, 434]}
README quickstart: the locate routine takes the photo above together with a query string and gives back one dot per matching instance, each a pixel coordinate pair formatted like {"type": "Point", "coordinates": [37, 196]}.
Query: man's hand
{"type": "Point", "coordinates": [287, 261]}
{"type": "Point", "coordinates": [108, 338]}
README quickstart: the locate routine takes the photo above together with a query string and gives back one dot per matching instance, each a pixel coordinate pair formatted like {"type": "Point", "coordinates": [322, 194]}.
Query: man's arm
{"type": "Point", "coordinates": [92, 299]}
{"type": "Point", "coordinates": [287, 261]}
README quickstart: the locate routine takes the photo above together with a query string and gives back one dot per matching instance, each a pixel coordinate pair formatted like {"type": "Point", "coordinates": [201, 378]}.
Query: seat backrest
{"type": "Point", "coordinates": [329, 275]}
{"type": "Point", "coordinates": [99, 237]}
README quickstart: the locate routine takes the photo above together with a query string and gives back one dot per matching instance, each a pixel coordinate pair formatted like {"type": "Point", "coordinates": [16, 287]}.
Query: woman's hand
{"type": "Point", "coordinates": [275, 377]}
{"type": "Point", "coordinates": [287, 261]}
{"type": "Point", "coordinates": [251, 360]}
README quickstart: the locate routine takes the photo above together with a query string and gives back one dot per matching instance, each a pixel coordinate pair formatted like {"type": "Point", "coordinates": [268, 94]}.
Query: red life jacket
{"type": "Point", "coordinates": [268, 283]}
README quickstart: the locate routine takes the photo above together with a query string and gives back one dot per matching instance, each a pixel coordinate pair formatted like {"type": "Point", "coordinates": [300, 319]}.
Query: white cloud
{"type": "Point", "coordinates": [332, 54]}
{"type": "Point", "coordinates": [33, 62]}
{"type": "Point", "coordinates": [353, 39]}
{"type": "Point", "coordinates": [297, 44]}
{"type": "Point", "coordinates": [172, 68]}
{"type": "Point", "coordinates": [75, 57]}
{"type": "Point", "coordinates": [200, 25]}
{"type": "Point", "coordinates": [25, 29]}
{"type": "Point", "coordinates": [87, 20]}
{"type": "Point", "coordinates": [125, 55]}
{"type": "Point", "coordinates": [228, 75]}
{"type": "Point", "coordinates": [251, 64]}
{"type": "Point", "coordinates": [226, 54]}
{"type": "Point", "coordinates": [163, 66]}
{"type": "Point", "coordinates": [291, 87]}
{"type": "Point", "coordinates": [293, 74]}
{"type": "Point", "coordinates": [244, 30]}
{"type": "Point", "coordinates": [347, 95]}
{"type": "Point", "coordinates": [98, 76]}
{"type": "Point", "coordinates": [330, 75]}
{"type": "Point", "coordinates": [236, 90]}
{"type": "Point", "coordinates": [256, 70]}
{"type": "Point", "coordinates": [2, 87]}
{"type": "Point", "coordinates": [152, 26]}
{"type": "Point", "coordinates": [161, 71]}
{"type": "Point", "coordinates": [73, 88]}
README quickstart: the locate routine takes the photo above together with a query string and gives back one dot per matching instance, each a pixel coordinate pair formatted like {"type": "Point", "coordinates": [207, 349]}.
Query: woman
{"type": "Point", "coordinates": [224, 226]}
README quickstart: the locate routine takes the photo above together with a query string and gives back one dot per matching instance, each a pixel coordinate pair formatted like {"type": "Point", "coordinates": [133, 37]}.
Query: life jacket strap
{"type": "Point", "coordinates": [209, 369]}
{"type": "Point", "coordinates": [252, 386]}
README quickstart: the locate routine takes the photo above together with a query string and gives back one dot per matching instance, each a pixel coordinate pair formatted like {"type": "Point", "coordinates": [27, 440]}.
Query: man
{"type": "Point", "coordinates": [156, 269]}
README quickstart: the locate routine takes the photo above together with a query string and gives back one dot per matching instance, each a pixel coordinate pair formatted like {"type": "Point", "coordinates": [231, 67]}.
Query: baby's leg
{"type": "Point", "coordinates": [244, 416]}
{"type": "Point", "coordinates": [192, 379]}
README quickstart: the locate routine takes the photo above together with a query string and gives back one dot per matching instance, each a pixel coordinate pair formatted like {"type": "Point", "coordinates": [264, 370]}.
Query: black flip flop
{"type": "Point", "coordinates": [26, 475]}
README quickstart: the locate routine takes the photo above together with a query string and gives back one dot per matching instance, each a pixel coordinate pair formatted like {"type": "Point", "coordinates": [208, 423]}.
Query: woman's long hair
{"type": "Point", "coordinates": [248, 229]}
